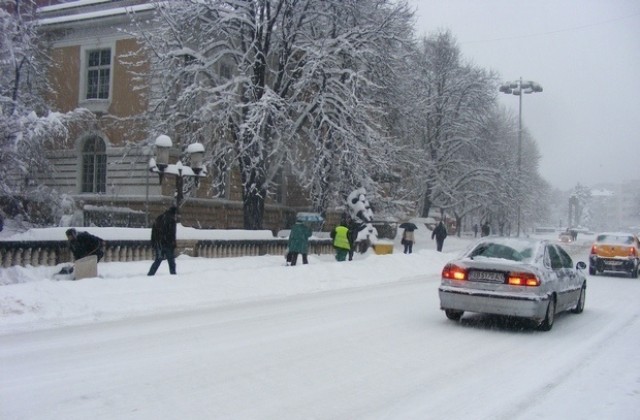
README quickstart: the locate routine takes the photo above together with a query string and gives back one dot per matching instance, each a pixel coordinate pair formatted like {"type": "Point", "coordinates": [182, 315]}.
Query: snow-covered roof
{"type": "Point", "coordinates": [95, 14]}
{"type": "Point", "coordinates": [69, 5]}
{"type": "Point", "coordinates": [602, 193]}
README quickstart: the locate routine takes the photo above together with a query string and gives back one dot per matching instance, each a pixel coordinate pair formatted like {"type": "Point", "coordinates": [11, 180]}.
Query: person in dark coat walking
{"type": "Point", "coordinates": [485, 230]}
{"type": "Point", "coordinates": [440, 233]}
{"type": "Point", "coordinates": [83, 244]}
{"type": "Point", "coordinates": [299, 242]}
{"type": "Point", "coordinates": [354, 229]}
{"type": "Point", "coordinates": [163, 240]}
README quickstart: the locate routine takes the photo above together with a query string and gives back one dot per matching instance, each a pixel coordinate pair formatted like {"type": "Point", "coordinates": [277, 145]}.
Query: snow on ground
{"type": "Point", "coordinates": [29, 298]}
{"type": "Point", "coordinates": [251, 338]}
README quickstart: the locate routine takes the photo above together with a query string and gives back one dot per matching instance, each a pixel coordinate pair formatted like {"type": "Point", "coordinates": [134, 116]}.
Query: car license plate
{"type": "Point", "coordinates": [614, 263]}
{"type": "Point", "coordinates": [486, 276]}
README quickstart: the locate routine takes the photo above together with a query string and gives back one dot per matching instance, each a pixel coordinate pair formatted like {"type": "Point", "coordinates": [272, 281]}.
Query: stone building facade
{"type": "Point", "coordinates": [95, 65]}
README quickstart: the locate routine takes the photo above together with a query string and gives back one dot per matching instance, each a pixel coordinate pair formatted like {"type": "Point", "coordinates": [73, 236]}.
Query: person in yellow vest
{"type": "Point", "coordinates": [340, 236]}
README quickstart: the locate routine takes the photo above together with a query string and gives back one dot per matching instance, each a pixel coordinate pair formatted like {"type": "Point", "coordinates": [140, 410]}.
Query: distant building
{"type": "Point", "coordinates": [615, 206]}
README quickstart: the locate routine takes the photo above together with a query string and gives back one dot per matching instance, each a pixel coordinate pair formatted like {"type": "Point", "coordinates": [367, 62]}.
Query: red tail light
{"type": "Point", "coordinates": [453, 272]}
{"type": "Point", "coordinates": [633, 252]}
{"type": "Point", "coordinates": [523, 279]}
{"type": "Point", "coordinates": [594, 249]}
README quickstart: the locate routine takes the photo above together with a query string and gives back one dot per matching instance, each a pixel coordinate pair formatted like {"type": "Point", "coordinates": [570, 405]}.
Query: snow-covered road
{"type": "Point", "coordinates": [383, 351]}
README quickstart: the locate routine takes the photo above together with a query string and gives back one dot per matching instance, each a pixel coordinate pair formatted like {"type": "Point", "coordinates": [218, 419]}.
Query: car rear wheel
{"type": "Point", "coordinates": [580, 304]}
{"type": "Point", "coordinates": [550, 316]}
{"type": "Point", "coordinates": [634, 273]}
{"type": "Point", "coordinates": [453, 314]}
{"type": "Point", "coordinates": [592, 270]}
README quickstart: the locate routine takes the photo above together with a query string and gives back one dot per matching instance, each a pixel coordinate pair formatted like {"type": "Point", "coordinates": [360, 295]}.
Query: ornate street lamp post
{"type": "Point", "coordinates": [160, 165]}
{"type": "Point", "coordinates": [519, 88]}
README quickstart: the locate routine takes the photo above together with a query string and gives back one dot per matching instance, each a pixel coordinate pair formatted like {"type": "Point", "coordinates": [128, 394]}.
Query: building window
{"type": "Point", "coordinates": [98, 73]}
{"type": "Point", "coordinates": [94, 166]}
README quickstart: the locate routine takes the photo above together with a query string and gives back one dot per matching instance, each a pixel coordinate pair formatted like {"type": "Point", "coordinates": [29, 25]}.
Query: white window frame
{"type": "Point", "coordinates": [98, 167]}
{"type": "Point", "coordinates": [98, 104]}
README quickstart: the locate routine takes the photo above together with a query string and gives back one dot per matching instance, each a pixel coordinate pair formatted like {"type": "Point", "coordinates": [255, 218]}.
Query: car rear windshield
{"type": "Point", "coordinates": [615, 239]}
{"type": "Point", "coordinates": [513, 252]}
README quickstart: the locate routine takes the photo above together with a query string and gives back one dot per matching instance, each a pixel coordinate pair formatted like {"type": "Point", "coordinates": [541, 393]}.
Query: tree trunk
{"type": "Point", "coordinates": [320, 189]}
{"type": "Point", "coordinates": [253, 193]}
{"type": "Point", "coordinates": [253, 209]}
{"type": "Point", "coordinates": [458, 225]}
{"type": "Point", "coordinates": [426, 207]}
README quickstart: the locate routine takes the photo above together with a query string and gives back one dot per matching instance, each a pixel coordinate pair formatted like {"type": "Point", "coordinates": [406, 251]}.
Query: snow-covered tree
{"type": "Point", "coordinates": [26, 124]}
{"type": "Point", "coordinates": [451, 99]}
{"type": "Point", "coordinates": [351, 67]}
{"type": "Point", "coordinates": [534, 191]}
{"type": "Point", "coordinates": [459, 148]}
{"type": "Point", "coordinates": [267, 84]}
{"type": "Point", "coordinates": [511, 186]}
{"type": "Point", "coordinates": [578, 204]}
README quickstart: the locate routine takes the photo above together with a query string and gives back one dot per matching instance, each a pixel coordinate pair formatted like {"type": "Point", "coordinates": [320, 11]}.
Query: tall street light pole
{"type": "Point", "coordinates": [160, 165]}
{"type": "Point", "coordinates": [519, 88]}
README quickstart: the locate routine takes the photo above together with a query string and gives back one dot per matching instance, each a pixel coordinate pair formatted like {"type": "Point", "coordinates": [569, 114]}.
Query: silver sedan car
{"type": "Point", "coordinates": [516, 277]}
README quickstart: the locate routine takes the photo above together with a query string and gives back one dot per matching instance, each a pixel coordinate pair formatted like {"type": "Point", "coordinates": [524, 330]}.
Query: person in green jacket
{"type": "Point", "coordinates": [340, 236]}
{"type": "Point", "coordinates": [299, 242]}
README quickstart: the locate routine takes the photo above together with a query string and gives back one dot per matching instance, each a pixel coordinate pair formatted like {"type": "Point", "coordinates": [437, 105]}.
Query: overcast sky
{"type": "Point", "coordinates": [586, 56]}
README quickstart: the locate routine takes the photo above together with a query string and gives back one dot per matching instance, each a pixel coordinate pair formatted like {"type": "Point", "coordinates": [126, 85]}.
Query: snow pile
{"type": "Point", "coordinates": [31, 298]}
{"type": "Point", "coordinates": [141, 234]}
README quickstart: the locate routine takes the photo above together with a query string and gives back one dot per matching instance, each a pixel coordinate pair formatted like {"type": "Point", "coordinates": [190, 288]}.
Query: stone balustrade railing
{"type": "Point", "coordinates": [35, 253]}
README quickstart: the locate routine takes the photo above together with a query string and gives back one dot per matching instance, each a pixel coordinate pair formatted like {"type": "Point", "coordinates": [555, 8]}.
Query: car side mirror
{"type": "Point", "coordinates": [581, 265]}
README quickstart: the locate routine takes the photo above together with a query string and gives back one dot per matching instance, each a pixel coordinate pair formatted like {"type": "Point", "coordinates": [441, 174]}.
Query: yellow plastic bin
{"type": "Point", "coordinates": [382, 249]}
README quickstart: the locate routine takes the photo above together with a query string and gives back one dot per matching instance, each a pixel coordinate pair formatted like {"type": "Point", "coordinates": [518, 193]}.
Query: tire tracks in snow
{"type": "Point", "coordinates": [589, 355]}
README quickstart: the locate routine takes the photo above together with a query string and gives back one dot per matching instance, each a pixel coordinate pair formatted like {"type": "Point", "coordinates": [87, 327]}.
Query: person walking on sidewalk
{"type": "Point", "coordinates": [440, 233]}
{"type": "Point", "coordinates": [299, 242]}
{"type": "Point", "coordinates": [163, 240]}
{"type": "Point", "coordinates": [354, 229]}
{"type": "Point", "coordinates": [340, 236]}
{"type": "Point", "coordinates": [408, 239]}
{"type": "Point", "coordinates": [485, 230]}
